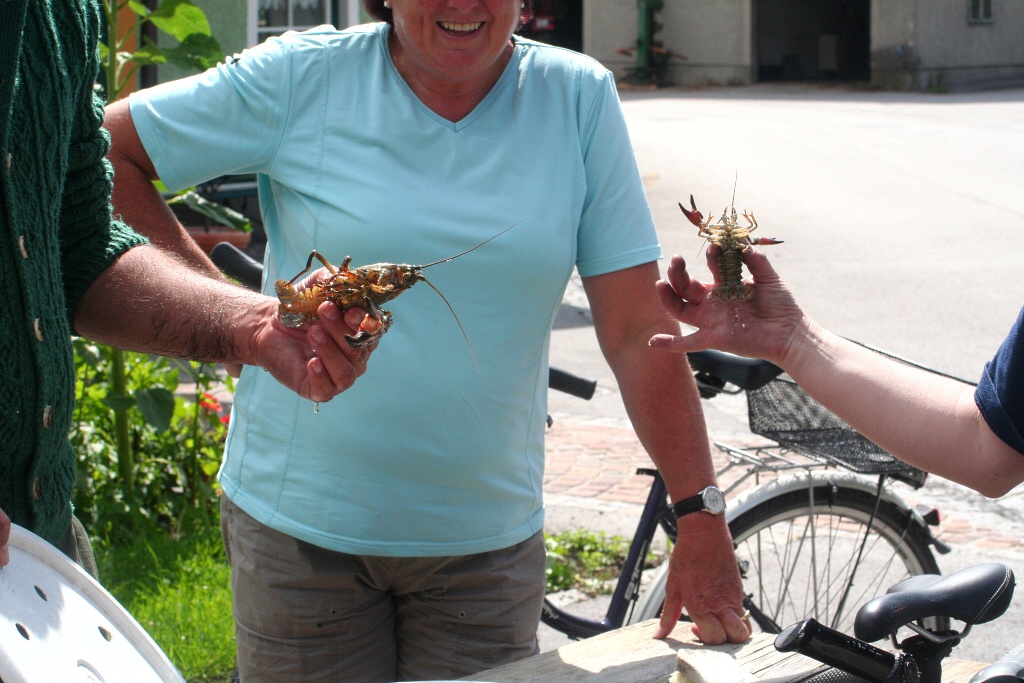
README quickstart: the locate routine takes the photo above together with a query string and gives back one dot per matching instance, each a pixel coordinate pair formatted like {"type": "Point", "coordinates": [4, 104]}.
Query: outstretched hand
{"type": "Point", "coordinates": [759, 327]}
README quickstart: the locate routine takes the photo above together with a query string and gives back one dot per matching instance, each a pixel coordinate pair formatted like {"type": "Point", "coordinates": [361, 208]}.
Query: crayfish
{"type": "Point", "coordinates": [365, 287]}
{"type": "Point", "coordinates": [733, 240]}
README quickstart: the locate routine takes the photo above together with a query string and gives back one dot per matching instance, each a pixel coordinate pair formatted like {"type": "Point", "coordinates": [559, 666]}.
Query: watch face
{"type": "Point", "coordinates": [714, 500]}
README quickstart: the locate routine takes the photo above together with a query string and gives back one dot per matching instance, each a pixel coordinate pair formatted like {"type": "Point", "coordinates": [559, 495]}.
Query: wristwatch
{"type": "Point", "coordinates": [710, 500]}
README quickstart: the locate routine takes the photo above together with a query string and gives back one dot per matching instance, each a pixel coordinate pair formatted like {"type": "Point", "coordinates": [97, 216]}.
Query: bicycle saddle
{"type": "Point", "coordinates": [974, 596]}
{"type": "Point", "coordinates": [746, 373]}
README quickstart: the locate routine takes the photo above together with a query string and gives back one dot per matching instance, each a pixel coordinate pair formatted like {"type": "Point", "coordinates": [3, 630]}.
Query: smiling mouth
{"type": "Point", "coordinates": [462, 29]}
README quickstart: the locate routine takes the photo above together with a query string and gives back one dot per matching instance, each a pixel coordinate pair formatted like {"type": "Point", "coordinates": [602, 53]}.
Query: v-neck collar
{"type": "Point", "coordinates": [455, 126]}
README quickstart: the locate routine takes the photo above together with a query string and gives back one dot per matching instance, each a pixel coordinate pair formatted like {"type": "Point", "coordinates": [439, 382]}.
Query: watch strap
{"type": "Point", "coordinates": [688, 505]}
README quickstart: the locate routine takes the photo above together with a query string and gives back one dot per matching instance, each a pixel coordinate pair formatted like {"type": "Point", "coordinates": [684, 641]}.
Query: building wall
{"type": "Point", "coordinates": [954, 51]}
{"type": "Point", "coordinates": [916, 44]}
{"type": "Point", "coordinates": [607, 26]}
{"type": "Point", "coordinates": [715, 38]}
{"type": "Point", "coordinates": [894, 49]}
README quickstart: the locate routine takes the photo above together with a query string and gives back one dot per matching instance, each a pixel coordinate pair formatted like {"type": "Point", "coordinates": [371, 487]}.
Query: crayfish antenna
{"type": "Point", "coordinates": [457, 321]}
{"type": "Point", "coordinates": [452, 258]}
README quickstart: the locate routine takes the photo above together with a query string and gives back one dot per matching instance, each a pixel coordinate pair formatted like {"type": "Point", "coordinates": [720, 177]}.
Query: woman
{"type": "Point", "coordinates": [396, 534]}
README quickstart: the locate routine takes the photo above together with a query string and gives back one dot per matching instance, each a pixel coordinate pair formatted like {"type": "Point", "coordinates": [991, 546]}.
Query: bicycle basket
{"type": "Point", "coordinates": [784, 413]}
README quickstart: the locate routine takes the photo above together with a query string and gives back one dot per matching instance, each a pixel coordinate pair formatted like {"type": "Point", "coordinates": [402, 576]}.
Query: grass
{"type": "Point", "coordinates": [178, 589]}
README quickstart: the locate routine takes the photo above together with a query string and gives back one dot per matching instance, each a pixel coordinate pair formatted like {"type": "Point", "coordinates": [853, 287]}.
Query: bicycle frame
{"type": "Point", "coordinates": [655, 512]}
{"type": "Point", "coordinates": [791, 474]}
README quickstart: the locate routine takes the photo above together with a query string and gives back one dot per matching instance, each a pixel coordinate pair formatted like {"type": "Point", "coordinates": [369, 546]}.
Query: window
{"type": "Point", "coordinates": [980, 12]}
{"type": "Point", "coordinates": [274, 17]}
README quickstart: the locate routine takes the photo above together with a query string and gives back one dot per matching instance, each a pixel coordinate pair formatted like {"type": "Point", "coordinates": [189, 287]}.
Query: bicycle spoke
{"type": "Point", "coordinates": [824, 565]}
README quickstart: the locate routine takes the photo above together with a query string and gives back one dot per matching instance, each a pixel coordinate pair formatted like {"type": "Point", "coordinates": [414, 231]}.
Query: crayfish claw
{"type": "Point", "coordinates": [695, 216]}
{"type": "Point", "coordinates": [372, 327]}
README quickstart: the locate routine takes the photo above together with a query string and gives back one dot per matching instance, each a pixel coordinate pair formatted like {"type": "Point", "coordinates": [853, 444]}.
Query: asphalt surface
{"type": "Point", "coordinates": [903, 221]}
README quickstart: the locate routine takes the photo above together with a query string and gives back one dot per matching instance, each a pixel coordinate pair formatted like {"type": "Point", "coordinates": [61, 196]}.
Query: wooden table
{"type": "Point", "coordinates": [631, 655]}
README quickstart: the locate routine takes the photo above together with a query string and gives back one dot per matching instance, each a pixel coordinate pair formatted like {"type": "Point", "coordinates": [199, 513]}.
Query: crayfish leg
{"type": "Point", "coordinates": [309, 265]}
{"type": "Point", "coordinates": [765, 240]}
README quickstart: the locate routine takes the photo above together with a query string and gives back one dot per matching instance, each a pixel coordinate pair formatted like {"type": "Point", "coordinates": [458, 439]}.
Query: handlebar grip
{"type": "Point", "coordinates": [237, 264]}
{"type": "Point", "coordinates": [839, 650]}
{"type": "Point", "coordinates": [569, 383]}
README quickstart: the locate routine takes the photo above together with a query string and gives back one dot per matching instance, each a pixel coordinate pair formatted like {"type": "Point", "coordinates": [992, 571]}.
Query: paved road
{"type": "Point", "coordinates": [904, 225]}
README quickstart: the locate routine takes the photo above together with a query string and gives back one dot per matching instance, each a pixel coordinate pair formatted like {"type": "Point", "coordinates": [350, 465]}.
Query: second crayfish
{"type": "Point", "coordinates": [733, 240]}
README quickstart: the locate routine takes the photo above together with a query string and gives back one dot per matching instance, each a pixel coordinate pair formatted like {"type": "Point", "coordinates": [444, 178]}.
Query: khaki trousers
{"type": "Point", "coordinates": [307, 614]}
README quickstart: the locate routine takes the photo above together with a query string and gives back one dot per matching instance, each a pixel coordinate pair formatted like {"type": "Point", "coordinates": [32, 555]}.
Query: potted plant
{"type": "Point", "coordinates": [208, 222]}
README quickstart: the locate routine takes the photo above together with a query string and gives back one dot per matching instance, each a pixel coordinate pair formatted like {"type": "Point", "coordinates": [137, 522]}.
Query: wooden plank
{"type": "Point", "coordinates": [960, 670]}
{"type": "Point", "coordinates": [627, 655]}
{"type": "Point", "coordinates": [632, 655]}
{"type": "Point", "coordinates": [698, 664]}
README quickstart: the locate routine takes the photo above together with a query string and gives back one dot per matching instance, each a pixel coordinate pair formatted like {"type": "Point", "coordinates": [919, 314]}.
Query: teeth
{"type": "Point", "coordinates": [450, 26]}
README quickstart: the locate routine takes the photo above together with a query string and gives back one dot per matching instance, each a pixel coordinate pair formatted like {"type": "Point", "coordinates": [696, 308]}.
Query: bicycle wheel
{"type": "Point", "coordinates": [802, 557]}
{"type": "Point", "coordinates": [816, 557]}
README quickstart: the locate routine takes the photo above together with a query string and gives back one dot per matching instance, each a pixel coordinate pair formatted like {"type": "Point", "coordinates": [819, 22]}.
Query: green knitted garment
{"type": "Point", "coordinates": [56, 236]}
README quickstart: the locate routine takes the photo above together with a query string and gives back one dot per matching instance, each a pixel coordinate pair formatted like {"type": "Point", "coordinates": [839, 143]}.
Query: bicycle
{"type": "Point", "coordinates": [803, 519]}
{"type": "Point", "coordinates": [975, 595]}
{"type": "Point", "coordinates": [814, 536]}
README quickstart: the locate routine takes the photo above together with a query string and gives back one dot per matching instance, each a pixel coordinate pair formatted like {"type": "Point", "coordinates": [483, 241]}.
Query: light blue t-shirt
{"type": "Point", "coordinates": [430, 453]}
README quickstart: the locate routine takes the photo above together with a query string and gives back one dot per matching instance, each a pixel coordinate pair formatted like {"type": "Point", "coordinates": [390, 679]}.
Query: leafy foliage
{"type": "Point", "coordinates": [585, 560]}
{"type": "Point", "coordinates": [184, 21]}
{"type": "Point", "coordinates": [176, 442]}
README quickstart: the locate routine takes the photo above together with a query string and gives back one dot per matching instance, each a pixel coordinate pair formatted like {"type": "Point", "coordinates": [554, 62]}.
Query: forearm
{"type": "Point", "coordinates": [658, 389]}
{"type": "Point", "coordinates": [148, 301]}
{"type": "Point", "coordinates": [927, 420]}
{"type": "Point", "coordinates": [664, 408]}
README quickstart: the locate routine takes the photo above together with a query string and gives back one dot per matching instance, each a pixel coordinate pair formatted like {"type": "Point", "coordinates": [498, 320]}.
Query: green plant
{"type": "Point", "coordinates": [197, 49]}
{"type": "Point", "coordinates": [175, 442]}
{"type": "Point", "coordinates": [212, 210]}
{"type": "Point", "coordinates": [178, 587]}
{"type": "Point", "coordinates": [184, 21]}
{"type": "Point", "coordinates": [585, 560]}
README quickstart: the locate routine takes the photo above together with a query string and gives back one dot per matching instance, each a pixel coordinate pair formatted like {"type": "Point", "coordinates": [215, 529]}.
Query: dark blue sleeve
{"type": "Point", "coordinates": [1000, 393]}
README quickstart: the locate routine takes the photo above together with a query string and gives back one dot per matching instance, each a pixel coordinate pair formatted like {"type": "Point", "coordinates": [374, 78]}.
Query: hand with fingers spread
{"type": "Point", "coordinates": [938, 424]}
{"type": "Point", "coordinates": [759, 327]}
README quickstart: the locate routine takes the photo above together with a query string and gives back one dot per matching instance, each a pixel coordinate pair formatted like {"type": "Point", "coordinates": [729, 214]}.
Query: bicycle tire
{"type": "Point", "coordinates": [781, 524]}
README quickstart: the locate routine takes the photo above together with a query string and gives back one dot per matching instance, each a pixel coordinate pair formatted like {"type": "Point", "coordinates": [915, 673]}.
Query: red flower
{"type": "Point", "coordinates": [210, 403]}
